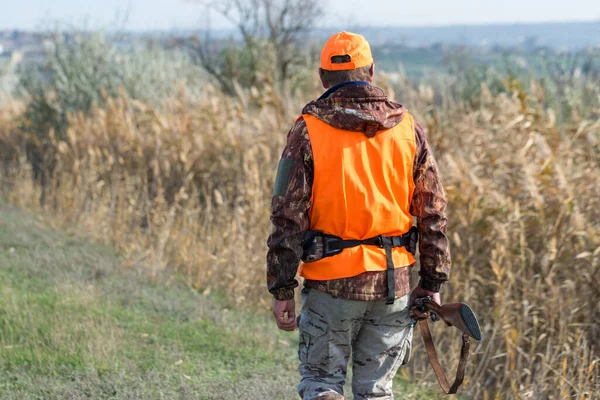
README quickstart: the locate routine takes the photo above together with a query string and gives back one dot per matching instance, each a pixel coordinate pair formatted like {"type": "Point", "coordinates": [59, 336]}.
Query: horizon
{"type": "Point", "coordinates": [327, 28]}
{"type": "Point", "coordinates": [174, 15]}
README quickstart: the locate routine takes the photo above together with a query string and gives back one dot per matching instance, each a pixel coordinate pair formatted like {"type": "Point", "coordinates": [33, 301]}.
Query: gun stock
{"type": "Point", "coordinates": [458, 315]}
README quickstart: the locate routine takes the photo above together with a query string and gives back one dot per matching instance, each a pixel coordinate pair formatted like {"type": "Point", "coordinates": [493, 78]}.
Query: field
{"type": "Point", "coordinates": [76, 324]}
{"type": "Point", "coordinates": [182, 185]}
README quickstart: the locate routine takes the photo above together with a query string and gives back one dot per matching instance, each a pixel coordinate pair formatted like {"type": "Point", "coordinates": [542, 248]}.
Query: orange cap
{"type": "Point", "coordinates": [352, 46]}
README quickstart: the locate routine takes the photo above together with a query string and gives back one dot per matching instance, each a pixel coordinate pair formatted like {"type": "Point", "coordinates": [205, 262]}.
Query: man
{"type": "Point", "coordinates": [354, 172]}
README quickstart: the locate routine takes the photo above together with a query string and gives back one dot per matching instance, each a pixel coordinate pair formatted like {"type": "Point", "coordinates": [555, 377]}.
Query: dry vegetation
{"type": "Point", "coordinates": [187, 186]}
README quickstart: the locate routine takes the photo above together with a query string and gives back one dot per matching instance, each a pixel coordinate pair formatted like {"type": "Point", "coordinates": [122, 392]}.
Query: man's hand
{"type": "Point", "coordinates": [417, 293]}
{"type": "Point", "coordinates": [280, 309]}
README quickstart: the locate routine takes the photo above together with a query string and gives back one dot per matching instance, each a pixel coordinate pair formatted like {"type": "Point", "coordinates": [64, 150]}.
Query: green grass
{"type": "Point", "coordinates": [75, 323]}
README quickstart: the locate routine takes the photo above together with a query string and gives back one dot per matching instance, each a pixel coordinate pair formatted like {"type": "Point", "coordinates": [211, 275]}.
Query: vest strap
{"type": "Point", "coordinates": [318, 245]}
{"type": "Point", "coordinates": [387, 243]}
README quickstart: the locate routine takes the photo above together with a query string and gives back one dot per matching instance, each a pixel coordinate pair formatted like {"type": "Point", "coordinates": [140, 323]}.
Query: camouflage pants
{"type": "Point", "coordinates": [378, 336]}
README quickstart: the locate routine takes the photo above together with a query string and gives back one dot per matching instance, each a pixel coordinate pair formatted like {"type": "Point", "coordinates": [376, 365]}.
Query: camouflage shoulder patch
{"type": "Point", "coordinates": [283, 172]}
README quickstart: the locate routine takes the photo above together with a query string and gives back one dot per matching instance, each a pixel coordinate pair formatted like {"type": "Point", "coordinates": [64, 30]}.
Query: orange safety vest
{"type": "Point", "coordinates": [362, 188]}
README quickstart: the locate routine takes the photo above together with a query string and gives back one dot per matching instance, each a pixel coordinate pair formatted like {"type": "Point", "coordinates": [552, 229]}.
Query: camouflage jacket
{"type": "Point", "coordinates": [354, 107]}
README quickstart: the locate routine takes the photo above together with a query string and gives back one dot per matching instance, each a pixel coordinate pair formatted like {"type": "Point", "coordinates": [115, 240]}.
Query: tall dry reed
{"type": "Point", "coordinates": [189, 188]}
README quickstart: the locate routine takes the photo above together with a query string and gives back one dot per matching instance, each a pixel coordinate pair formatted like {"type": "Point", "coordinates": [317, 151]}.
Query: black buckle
{"type": "Point", "coordinates": [383, 241]}
{"type": "Point", "coordinates": [331, 246]}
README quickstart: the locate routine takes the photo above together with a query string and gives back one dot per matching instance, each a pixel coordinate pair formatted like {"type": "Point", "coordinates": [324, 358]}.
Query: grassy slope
{"type": "Point", "coordinates": [75, 324]}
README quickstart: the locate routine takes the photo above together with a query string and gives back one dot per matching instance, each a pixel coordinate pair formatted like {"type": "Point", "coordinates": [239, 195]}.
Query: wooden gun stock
{"type": "Point", "coordinates": [458, 315]}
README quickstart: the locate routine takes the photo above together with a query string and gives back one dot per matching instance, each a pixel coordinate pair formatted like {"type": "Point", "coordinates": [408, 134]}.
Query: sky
{"type": "Point", "coordinates": [185, 14]}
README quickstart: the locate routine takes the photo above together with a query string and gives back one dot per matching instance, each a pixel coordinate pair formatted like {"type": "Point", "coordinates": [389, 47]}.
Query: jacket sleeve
{"type": "Point", "coordinates": [429, 207]}
{"type": "Point", "coordinates": [289, 212]}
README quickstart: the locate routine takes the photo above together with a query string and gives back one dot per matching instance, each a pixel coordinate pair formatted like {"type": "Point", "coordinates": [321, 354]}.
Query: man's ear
{"type": "Point", "coordinates": [372, 72]}
{"type": "Point", "coordinates": [323, 81]}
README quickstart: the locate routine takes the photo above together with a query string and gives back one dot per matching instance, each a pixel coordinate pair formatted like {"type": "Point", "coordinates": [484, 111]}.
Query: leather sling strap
{"type": "Point", "coordinates": [437, 367]}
